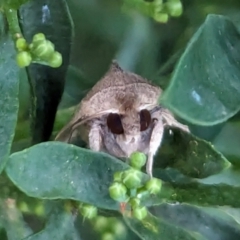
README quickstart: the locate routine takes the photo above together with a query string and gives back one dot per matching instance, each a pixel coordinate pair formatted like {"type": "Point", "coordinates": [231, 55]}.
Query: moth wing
{"type": "Point", "coordinates": [66, 132]}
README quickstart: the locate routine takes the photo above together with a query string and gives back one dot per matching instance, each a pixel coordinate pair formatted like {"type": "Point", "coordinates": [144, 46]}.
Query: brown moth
{"type": "Point", "coordinates": [121, 115]}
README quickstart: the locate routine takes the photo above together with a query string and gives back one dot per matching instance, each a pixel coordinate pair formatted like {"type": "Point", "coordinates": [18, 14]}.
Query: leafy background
{"type": "Point", "coordinates": [42, 186]}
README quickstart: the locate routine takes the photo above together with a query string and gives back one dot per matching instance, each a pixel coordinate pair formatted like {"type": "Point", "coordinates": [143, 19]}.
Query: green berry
{"type": "Point", "coordinates": [153, 185]}
{"type": "Point", "coordinates": [118, 192]}
{"type": "Point", "coordinates": [174, 8]}
{"type": "Point", "coordinates": [39, 37]}
{"type": "Point", "coordinates": [43, 50]}
{"type": "Point", "coordinates": [23, 59]}
{"type": "Point", "coordinates": [100, 223]}
{"type": "Point", "coordinates": [132, 179]}
{"type": "Point", "coordinates": [138, 160]}
{"type": "Point", "coordinates": [88, 211]}
{"type": "Point", "coordinates": [140, 213]}
{"type": "Point", "coordinates": [118, 228]}
{"type": "Point", "coordinates": [117, 177]}
{"type": "Point", "coordinates": [108, 236]}
{"type": "Point", "coordinates": [21, 44]}
{"type": "Point", "coordinates": [161, 17]}
{"type": "Point", "coordinates": [134, 202]}
{"type": "Point", "coordinates": [55, 60]}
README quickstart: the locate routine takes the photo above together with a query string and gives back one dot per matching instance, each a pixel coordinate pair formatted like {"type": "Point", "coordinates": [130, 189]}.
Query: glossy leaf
{"type": "Point", "coordinates": [204, 89]}
{"type": "Point", "coordinates": [222, 189]}
{"type": "Point", "coordinates": [65, 171]}
{"type": "Point", "coordinates": [212, 223]}
{"type": "Point", "coordinates": [156, 228]}
{"type": "Point", "coordinates": [47, 84]}
{"type": "Point", "coordinates": [12, 221]}
{"type": "Point", "coordinates": [192, 156]}
{"type": "Point", "coordinates": [60, 225]}
{"type": "Point", "coordinates": [8, 98]}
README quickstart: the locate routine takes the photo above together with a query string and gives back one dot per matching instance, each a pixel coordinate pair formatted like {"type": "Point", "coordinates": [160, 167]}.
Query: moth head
{"type": "Point", "coordinates": [128, 127]}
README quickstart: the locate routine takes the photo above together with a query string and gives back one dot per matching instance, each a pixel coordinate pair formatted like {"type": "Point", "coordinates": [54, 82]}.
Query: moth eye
{"type": "Point", "coordinates": [114, 123]}
{"type": "Point", "coordinates": [145, 119]}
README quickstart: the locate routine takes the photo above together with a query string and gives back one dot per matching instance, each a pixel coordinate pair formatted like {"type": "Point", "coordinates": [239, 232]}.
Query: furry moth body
{"type": "Point", "coordinates": [121, 115]}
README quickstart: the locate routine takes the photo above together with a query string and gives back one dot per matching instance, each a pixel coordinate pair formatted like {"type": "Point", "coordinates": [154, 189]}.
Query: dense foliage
{"type": "Point", "coordinates": [53, 190]}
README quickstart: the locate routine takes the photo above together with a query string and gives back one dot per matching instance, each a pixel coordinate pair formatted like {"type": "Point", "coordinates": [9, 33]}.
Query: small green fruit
{"type": "Point", "coordinates": [138, 160]}
{"type": "Point", "coordinates": [43, 49]}
{"type": "Point", "coordinates": [108, 236]}
{"type": "Point", "coordinates": [118, 192]}
{"type": "Point", "coordinates": [153, 185]}
{"type": "Point", "coordinates": [140, 213]}
{"type": "Point", "coordinates": [161, 17]}
{"type": "Point", "coordinates": [117, 177]}
{"type": "Point", "coordinates": [56, 60]}
{"type": "Point", "coordinates": [88, 211]}
{"type": "Point", "coordinates": [38, 37]}
{"type": "Point", "coordinates": [134, 202]}
{"type": "Point", "coordinates": [23, 59]}
{"type": "Point", "coordinates": [174, 8]}
{"type": "Point", "coordinates": [21, 44]}
{"type": "Point", "coordinates": [101, 223]}
{"type": "Point", "coordinates": [132, 179]}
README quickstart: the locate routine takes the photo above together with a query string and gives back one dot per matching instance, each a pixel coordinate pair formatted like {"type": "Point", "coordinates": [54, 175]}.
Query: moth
{"type": "Point", "coordinates": [121, 115]}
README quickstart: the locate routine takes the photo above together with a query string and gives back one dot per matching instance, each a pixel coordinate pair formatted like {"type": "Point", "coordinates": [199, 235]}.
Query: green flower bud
{"type": "Point", "coordinates": [138, 160]}
{"type": "Point", "coordinates": [101, 224]}
{"type": "Point", "coordinates": [140, 213]}
{"type": "Point", "coordinates": [153, 185]}
{"type": "Point", "coordinates": [174, 8]}
{"type": "Point", "coordinates": [39, 210]}
{"type": "Point", "coordinates": [135, 202]}
{"type": "Point", "coordinates": [88, 211]}
{"type": "Point", "coordinates": [39, 37]}
{"type": "Point", "coordinates": [108, 236]}
{"type": "Point", "coordinates": [23, 59]}
{"type": "Point", "coordinates": [43, 49]}
{"type": "Point", "coordinates": [132, 178]}
{"type": "Point", "coordinates": [142, 192]}
{"type": "Point", "coordinates": [56, 60]}
{"type": "Point", "coordinates": [21, 44]}
{"type": "Point", "coordinates": [117, 177]}
{"type": "Point", "coordinates": [161, 17]}
{"type": "Point", "coordinates": [23, 207]}
{"type": "Point", "coordinates": [118, 228]}
{"type": "Point", "coordinates": [118, 192]}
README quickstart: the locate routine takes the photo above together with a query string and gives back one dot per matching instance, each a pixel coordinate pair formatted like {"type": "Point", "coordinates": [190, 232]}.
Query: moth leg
{"type": "Point", "coordinates": [95, 137]}
{"type": "Point", "coordinates": [172, 122]}
{"type": "Point", "coordinates": [155, 140]}
{"type": "Point", "coordinates": [111, 144]}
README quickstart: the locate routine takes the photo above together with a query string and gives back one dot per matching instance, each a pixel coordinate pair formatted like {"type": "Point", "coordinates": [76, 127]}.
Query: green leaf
{"type": "Point", "coordinates": [12, 220]}
{"type": "Point", "coordinates": [100, 29]}
{"type": "Point", "coordinates": [60, 225]}
{"type": "Point", "coordinates": [65, 171]}
{"type": "Point", "coordinates": [205, 85]}
{"type": "Point", "coordinates": [156, 228]}
{"type": "Point", "coordinates": [9, 87]}
{"type": "Point", "coordinates": [212, 223]}
{"type": "Point", "coordinates": [228, 140]}
{"type": "Point", "coordinates": [47, 84]}
{"type": "Point", "coordinates": [222, 189]}
{"type": "Point", "coordinates": [192, 156]}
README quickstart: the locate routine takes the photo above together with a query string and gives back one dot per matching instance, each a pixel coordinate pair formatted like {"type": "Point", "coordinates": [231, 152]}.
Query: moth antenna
{"type": "Point", "coordinates": [115, 66]}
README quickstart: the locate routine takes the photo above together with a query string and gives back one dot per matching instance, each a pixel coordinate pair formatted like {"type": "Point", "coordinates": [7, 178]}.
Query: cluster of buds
{"type": "Point", "coordinates": [128, 186]}
{"type": "Point", "coordinates": [40, 51]}
{"type": "Point", "coordinates": [162, 11]}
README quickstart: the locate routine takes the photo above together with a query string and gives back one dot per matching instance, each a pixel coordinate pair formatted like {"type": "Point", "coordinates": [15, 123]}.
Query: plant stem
{"type": "Point", "coordinates": [12, 19]}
